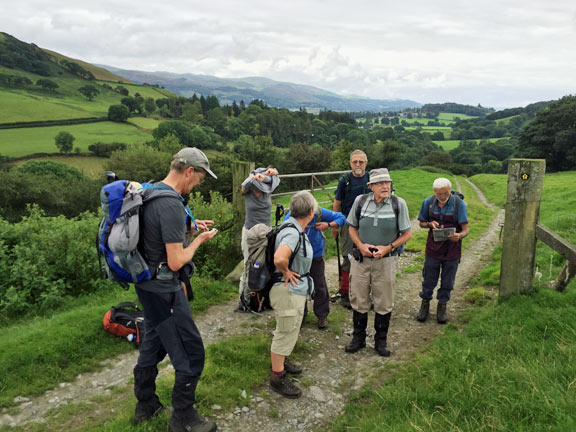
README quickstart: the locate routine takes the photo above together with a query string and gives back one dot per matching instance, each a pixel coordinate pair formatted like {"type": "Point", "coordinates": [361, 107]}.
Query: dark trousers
{"type": "Point", "coordinates": [321, 296]}
{"type": "Point", "coordinates": [170, 330]}
{"type": "Point", "coordinates": [433, 267]}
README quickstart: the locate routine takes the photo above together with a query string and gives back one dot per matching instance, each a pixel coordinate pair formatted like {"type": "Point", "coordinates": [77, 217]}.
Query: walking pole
{"type": "Point", "coordinates": [339, 263]}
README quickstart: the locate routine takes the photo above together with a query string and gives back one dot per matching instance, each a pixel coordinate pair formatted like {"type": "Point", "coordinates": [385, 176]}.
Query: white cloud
{"type": "Point", "coordinates": [416, 49]}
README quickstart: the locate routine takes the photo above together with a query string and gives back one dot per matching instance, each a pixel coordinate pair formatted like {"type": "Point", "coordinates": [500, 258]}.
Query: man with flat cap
{"type": "Point", "coordinates": [170, 329]}
{"type": "Point", "coordinates": [379, 226]}
{"type": "Point", "coordinates": [257, 190]}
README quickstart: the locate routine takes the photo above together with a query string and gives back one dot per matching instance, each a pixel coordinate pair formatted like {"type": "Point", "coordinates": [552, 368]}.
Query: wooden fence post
{"type": "Point", "coordinates": [240, 170]}
{"type": "Point", "coordinates": [525, 180]}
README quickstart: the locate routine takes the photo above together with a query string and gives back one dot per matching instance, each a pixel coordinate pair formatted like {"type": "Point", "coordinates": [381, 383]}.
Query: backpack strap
{"type": "Point", "coordinates": [124, 305]}
{"type": "Point", "coordinates": [361, 202]}
{"type": "Point", "coordinates": [457, 201]}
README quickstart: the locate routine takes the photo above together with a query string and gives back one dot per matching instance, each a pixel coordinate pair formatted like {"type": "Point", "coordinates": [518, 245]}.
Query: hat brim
{"type": "Point", "coordinates": [209, 171]}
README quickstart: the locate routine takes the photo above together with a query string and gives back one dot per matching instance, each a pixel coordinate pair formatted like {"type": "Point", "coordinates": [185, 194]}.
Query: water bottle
{"type": "Point", "coordinates": [131, 337]}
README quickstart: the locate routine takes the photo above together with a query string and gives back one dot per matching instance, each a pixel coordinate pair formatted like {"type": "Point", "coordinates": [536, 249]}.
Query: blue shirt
{"type": "Point", "coordinates": [447, 209]}
{"type": "Point", "coordinates": [315, 236]}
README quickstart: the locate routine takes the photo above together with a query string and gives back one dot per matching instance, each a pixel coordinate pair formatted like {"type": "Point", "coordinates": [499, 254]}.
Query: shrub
{"type": "Point", "coordinates": [218, 256]}
{"type": "Point", "coordinates": [45, 259]}
{"type": "Point", "coordinates": [101, 149]}
{"type": "Point", "coordinates": [51, 169]}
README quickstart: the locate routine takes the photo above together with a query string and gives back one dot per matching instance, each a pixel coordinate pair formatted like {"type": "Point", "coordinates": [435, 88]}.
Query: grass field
{"type": "Point", "coordinates": [452, 144]}
{"type": "Point", "coordinates": [443, 116]}
{"type": "Point", "coordinates": [24, 141]}
{"type": "Point", "coordinates": [145, 123]}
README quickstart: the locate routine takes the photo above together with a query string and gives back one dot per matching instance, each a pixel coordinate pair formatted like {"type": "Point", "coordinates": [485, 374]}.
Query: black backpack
{"type": "Point", "coordinates": [261, 271]}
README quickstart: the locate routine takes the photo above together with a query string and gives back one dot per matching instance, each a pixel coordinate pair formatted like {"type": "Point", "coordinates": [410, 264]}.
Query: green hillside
{"type": "Point", "coordinates": [22, 65]}
{"type": "Point", "coordinates": [32, 103]}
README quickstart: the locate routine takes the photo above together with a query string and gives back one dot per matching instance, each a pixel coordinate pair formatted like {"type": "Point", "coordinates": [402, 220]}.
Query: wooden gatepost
{"type": "Point", "coordinates": [524, 193]}
{"type": "Point", "coordinates": [240, 171]}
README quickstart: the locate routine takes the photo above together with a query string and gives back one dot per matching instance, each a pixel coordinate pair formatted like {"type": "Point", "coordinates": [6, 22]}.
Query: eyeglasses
{"type": "Point", "coordinates": [357, 162]}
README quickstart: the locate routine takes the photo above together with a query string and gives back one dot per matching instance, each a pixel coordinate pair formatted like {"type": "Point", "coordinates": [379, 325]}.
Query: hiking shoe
{"type": "Point", "coordinates": [200, 425]}
{"type": "Point", "coordinates": [356, 345]}
{"type": "Point", "coordinates": [424, 311]}
{"type": "Point", "coordinates": [147, 411]}
{"type": "Point", "coordinates": [345, 301]}
{"type": "Point", "coordinates": [281, 384]}
{"type": "Point", "coordinates": [322, 323]}
{"type": "Point", "coordinates": [441, 315]}
{"type": "Point", "coordinates": [292, 368]}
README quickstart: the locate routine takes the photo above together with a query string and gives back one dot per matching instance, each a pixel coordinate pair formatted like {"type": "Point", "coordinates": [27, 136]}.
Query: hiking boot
{"type": "Point", "coordinates": [148, 405]}
{"type": "Point", "coordinates": [292, 368]}
{"type": "Point", "coordinates": [356, 345]}
{"type": "Point", "coordinates": [359, 335]}
{"type": "Point", "coordinates": [424, 311]}
{"type": "Point", "coordinates": [185, 418]}
{"type": "Point", "coordinates": [281, 384]}
{"type": "Point", "coordinates": [198, 425]}
{"type": "Point", "coordinates": [147, 411]}
{"type": "Point", "coordinates": [381, 325]}
{"type": "Point", "coordinates": [345, 301]}
{"type": "Point", "coordinates": [322, 323]}
{"type": "Point", "coordinates": [441, 315]}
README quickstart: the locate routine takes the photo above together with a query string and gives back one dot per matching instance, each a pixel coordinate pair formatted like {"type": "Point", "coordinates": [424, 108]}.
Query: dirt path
{"type": "Point", "coordinates": [330, 374]}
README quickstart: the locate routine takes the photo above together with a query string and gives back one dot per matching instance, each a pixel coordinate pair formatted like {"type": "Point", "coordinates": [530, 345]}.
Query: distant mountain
{"type": "Point", "coordinates": [274, 93]}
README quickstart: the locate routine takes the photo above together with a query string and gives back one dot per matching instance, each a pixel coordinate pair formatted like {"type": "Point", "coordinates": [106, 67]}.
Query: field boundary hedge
{"type": "Point", "coordinates": [43, 123]}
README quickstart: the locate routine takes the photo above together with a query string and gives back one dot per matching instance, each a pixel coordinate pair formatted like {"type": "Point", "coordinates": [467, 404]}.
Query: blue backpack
{"type": "Point", "coordinates": [119, 230]}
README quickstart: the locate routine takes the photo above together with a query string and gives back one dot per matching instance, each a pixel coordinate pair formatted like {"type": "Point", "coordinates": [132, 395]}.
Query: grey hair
{"type": "Point", "coordinates": [360, 152]}
{"type": "Point", "coordinates": [180, 164]}
{"type": "Point", "coordinates": [301, 203]}
{"type": "Point", "coordinates": [441, 183]}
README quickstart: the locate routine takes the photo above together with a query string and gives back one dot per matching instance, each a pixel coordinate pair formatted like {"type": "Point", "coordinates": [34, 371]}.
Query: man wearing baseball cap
{"type": "Point", "coordinates": [170, 328]}
{"type": "Point", "coordinates": [379, 226]}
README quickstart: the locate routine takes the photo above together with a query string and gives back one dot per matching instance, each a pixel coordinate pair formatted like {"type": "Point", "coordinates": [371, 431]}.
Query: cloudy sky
{"type": "Point", "coordinates": [500, 53]}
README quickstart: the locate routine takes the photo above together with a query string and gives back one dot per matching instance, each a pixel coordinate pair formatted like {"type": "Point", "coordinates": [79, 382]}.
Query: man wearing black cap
{"type": "Point", "coordinates": [170, 329]}
{"type": "Point", "coordinates": [379, 225]}
{"type": "Point", "coordinates": [257, 190]}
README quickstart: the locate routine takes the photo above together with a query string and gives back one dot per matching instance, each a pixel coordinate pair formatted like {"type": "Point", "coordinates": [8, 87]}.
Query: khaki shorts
{"type": "Point", "coordinates": [376, 277]}
{"type": "Point", "coordinates": [289, 311]}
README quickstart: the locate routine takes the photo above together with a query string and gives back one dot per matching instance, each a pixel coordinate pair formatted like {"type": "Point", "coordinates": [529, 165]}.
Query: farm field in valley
{"type": "Point", "coordinates": [25, 141]}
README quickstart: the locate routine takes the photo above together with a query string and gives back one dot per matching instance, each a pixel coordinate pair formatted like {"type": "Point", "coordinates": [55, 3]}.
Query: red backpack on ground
{"type": "Point", "coordinates": [125, 319]}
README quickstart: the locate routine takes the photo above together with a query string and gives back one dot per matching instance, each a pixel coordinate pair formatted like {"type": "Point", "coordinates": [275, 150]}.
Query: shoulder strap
{"type": "Point", "coordinates": [394, 199]}
{"type": "Point", "coordinates": [361, 203]}
{"type": "Point", "coordinates": [456, 208]}
{"type": "Point", "coordinates": [348, 187]}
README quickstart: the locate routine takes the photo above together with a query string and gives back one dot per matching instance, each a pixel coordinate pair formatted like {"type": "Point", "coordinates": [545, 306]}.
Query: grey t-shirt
{"type": "Point", "coordinates": [303, 259]}
{"type": "Point", "coordinates": [163, 220]}
{"type": "Point", "coordinates": [377, 224]}
{"type": "Point", "coordinates": [258, 210]}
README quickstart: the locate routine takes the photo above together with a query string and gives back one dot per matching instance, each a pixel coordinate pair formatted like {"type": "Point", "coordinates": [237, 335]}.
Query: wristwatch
{"type": "Point", "coordinates": [393, 248]}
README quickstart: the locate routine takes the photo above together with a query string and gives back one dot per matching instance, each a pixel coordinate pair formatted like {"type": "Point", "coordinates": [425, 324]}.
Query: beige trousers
{"type": "Point", "coordinates": [376, 277]}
